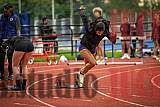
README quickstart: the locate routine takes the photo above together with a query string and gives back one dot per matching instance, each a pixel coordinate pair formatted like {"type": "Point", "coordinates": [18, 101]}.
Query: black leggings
{"type": "Point", "coordinates": [2, 60]}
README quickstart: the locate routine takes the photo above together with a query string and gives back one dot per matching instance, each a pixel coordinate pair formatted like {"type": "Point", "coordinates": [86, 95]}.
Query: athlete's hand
{"type": "Point", "coordinates": [82, 7]}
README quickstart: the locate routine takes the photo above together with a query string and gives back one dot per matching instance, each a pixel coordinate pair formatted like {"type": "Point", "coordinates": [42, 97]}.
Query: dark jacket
{"type": "Point", "coordinates": [9, 26]}
{"type": "Point", "coordinates": [90, 39]}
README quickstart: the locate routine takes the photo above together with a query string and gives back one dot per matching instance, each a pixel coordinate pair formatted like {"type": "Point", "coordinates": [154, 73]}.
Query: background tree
{"type": "Point", "coordinates": [40, 8]}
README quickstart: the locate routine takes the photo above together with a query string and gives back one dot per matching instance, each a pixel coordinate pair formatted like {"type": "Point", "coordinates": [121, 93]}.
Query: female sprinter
{"type": "Point", "coordinates": [94, 34]}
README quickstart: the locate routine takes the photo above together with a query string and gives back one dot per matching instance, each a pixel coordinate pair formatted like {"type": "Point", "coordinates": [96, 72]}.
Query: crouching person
{"type": "Point", "coordinates": [23, 48]}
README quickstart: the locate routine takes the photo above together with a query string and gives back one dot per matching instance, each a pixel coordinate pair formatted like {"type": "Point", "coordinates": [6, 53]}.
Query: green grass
{"type": "Point", "coordinates": [40, 60]}
{"type": "Point", "coordinates": [116, 54]}
{"type": "Point", "coordinates": [68, 55]}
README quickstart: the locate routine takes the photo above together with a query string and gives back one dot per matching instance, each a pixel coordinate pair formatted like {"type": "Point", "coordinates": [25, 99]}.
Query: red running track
{"type": "Point", "coordinates": [106, 86]}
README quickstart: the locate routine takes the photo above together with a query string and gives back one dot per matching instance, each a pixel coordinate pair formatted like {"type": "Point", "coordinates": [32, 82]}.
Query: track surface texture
{"type": "Point", "coordinates": [105, 86]}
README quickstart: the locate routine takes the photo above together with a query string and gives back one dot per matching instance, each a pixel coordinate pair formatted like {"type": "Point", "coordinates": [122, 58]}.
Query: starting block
{"type": "Point", "coordinates": [63, 84]}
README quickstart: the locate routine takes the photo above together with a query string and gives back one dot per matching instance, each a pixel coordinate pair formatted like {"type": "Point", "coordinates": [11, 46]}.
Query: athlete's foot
{"type": "Point", "coordinates": [80, 79]}
{"type": "Point", "coordinates": [123, 57]}
{"type": "Point", "coordinates": [101, 61]}
{"type": "Point", "coordinates": [16, 88]}
{"type": "Point", "coordinates": [139, 55]}
{"type": "Point", "coordinates": [155, 57]}
{"type": "Point", "coordinates": [128, 57]}
{"type": "Point", "coordinates": [2, 77]}
{"type": "Point", "coordinates": [98, 61]}
{"type": "Point", "coordinates": [10, 77]}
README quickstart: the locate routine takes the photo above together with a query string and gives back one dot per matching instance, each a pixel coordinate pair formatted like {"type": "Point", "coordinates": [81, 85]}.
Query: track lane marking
{"type": "Point", "coordinates": [115, 98]}
{"type": "Point", "coordinates": [153, 82]}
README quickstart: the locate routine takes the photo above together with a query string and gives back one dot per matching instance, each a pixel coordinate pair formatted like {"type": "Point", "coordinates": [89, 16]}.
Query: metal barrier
{"type": "Point", "coordinates": [70, 40]}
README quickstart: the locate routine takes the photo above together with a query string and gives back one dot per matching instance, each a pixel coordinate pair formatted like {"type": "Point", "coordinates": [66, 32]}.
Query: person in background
{"type": "Point", "coordinates": [159, 34]}
{"type": "Point", "coordinates": [133, 41]}
{"type": "Point", "coordinates": [140, 33]}
{"type": "Point", "coordinates": [155, 34]}
{"type": "Point", "coordinates": [45, 31]}
{"type": "Point", "coordinates": [9, 27]}
{"type": "Point", "coordinates": [47, 34]}
{"type": "Point", "coordinates": [98, 13]}
{"type": "Point", "coordinates": [125, 38]}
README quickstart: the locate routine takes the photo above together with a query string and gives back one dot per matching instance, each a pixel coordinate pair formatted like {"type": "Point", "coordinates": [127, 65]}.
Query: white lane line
{"type": "Point", "coordinates": [153, 82]}
{"type": "Point", "coordinates": [115, 98]}
{"type": "Point", "coordinates": [81, 66]}
{"type": "Point", "coordinates": [38, 100]}
{"type": "Point", "coordinates": [139, 96]}
{"type": "Point", "coordinates": [57, 66]}
{"type": "Point", "coordinates": [9, 91]}
{"type": "Point", "coordinates": [47, 104]}
{"type": "Point", "coordinates": [97, 69]}
{"type": "Point", "coordinates": [72, 99]}
{"type": "Point", "coordinates": [60, 69]}
{"type": "Point", "coordinates": [20, 104]}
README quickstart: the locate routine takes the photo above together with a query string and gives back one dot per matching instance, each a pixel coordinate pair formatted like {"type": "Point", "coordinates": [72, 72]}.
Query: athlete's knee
{"type": "Point", "coordinates": [16, 73]}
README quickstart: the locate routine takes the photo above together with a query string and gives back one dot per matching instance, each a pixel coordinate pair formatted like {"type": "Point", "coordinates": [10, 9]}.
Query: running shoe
{"type": "Point", "coordinates": [123, 57]}
{"type": "Point", "coordinates": [9, 77]}
{"type": "Point", "coordinates": [80, 80]}
{"type": "Point", "coordinates": [128, 57]}
{"type": "Point", "coordinates": [157, 58]}
{"type": "Point", "coordinates": [154, 57]}
{"type": "Point", "coordinates": [16, 88]}
{"type": "Point", "coordinates": [2, 77]}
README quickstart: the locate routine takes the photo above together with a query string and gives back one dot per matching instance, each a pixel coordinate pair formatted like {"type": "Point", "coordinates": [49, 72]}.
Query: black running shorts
{"type": "Point", "coordinates": [23, 45]}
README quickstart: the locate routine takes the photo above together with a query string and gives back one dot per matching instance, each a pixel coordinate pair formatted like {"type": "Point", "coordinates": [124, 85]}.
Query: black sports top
{"type": "Point", "coordinates": [90, 39]}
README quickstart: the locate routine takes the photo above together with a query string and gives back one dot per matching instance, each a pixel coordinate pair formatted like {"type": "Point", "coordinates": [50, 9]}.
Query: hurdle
{"type": "Point", "coordinates": [113, 62]}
